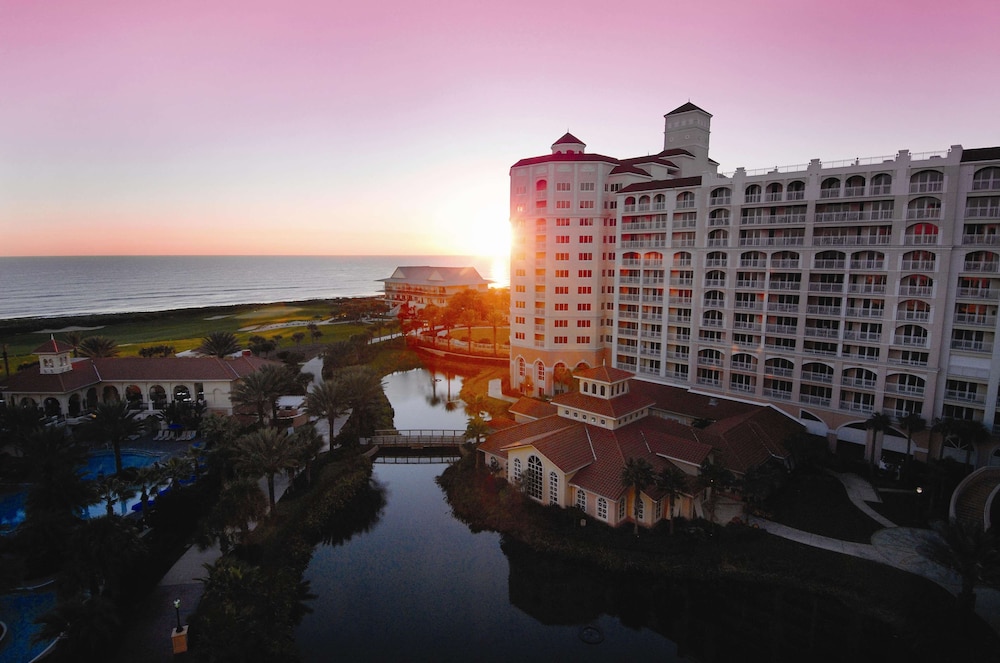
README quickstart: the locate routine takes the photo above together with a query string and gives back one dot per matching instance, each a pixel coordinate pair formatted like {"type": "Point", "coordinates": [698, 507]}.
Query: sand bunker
{"type": "Point", "coordinates": [67, 329]}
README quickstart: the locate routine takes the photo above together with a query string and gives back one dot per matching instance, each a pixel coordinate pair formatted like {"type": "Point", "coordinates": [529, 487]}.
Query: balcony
{"type": "Point", "coordinates": [659, 207]}
{"type": "Point", "coordinates": [628, 315]}
{"type": "Point", "coordinates": [759, 264]}
{"type": "Point", "coordinates": [716, 242]}
{"type": "Point", "coordinates": [829, 193]}
{"type": "Point", "coordinates": [822, 401]}
{"type": "Point", "coordinates": [926, 187]}
{"type": "Point", "coordinates": [876, 265]}
{"type": "Point", "coordinates": [772, 241]}
{"type": "Point", "coordinates": [678, 356]}
{"type": "Point", "coordinates": [857, 312]}
{"type": "Point", "coordinates": [916, 291]}
{"type": "Point", "coordinates": [979, 293]}
{"type": "Point", "coordinates": [880, 190]}
{"type": "Point", "coordinates": [680, 301]}
{"type": "Point", "coordinates": [781, 329]}
{"type": "Point", "coordinates": [751, 198]}
{"type": "Point", "coordinates": [852, 406]}
{"type": "Point", "coordinates": [712, 323]}
{"type": "Point", "coordinates": [718, 221]}
{"type": "Point", "coordinates": [866, 288]}
{"type": "Point", "coordinates": [779, 372]}
{"type": "Point", "coordinates": [680, 224]}
{"type": "Point", "coordinates": [622, 331]}
{"type": "Point", "coordinates": [829, 264]}
{"type": "Point", "coordinates": [715, 283]}
{"type": "Point", "coordinates": [904, 389]}
{"type": "Point", "coordinates": [745, 366]}
{"type": "Point", "coordinates": [981, 239]}
{"type": "Point", "coordinates": [973, 320]}
{"type": "Point", "coordinates": [923, 213]}
{"type": "Point", "coordinates": [826, 287]}
{"type": "Point", "coordinates": [911, 341]}
{"type": "Point", "coordinates": [682, 282]}
{"type": "Point", "coordinates": [777, 394]}
{"type": "Point", "coordinates": [853, 191]}
{"type": "Point", "coordinates": [685, 204]}
{"type": "Point", "coordinates": [821, 332]}
{"type": "Point", "coordinates": [709, 382]}
{"type": "Point", "coordinates": [858, 240]}
{"type": "Point", "coordinates": [645, 244]}
{"type": "Point", "coordinates": [816, 376]}
{"type": "Point", "coordinates": [714, 303]}
{"type": "Point", "coordinates": [982, 266]}
{"type": "Point", "coordinates": [767, 219]}
{"type": "Point", "coordinates": [919, 265]}
{"type": "Point", "coordinates": [868, 337]}
{"type": "Point", "coordinates": [857, 383]}
{"type": "Point", "coordinates": [628, 298]}
{"type": "Point", "coordinates": [905, 315]}
{"type": "Point", "coordinates": [813, 309]}
{"type": "Point", "coordinates": [746, 326]}
{"type": "Point", "coordinates": [779, 285]}
{"type": "Point", "coordinates": [971, 346]}
{"type": "Point", "coordinates": [709, 361]}
{"type": "Point", "coordinates": [781, 307]}
{"type": "Point", "coordinates": [785, 264]}
{"type": "Point", "coordinates": [720, 200]}
{"type": "Point", "coordinates": [631, 226]}
{"type": "Point", "coordinates": [679, 319]}
{"type": "Point", "coordinates": [965, 396]}
{"type": "Point", "coordinates": [795, 195]}
{"type": "Point", "coordinates": [982, 212]}
{"type": "Point", "coordinates": [853, 216]}
{"type": "Point", "coordinates": [682, 243]}
{"type": "Point", "coordinates": [715, 262]}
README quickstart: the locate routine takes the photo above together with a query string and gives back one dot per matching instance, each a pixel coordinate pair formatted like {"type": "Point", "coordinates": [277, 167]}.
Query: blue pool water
{"type": "Point", "coordinates": [12, 503]}
{"type": "Point", "coordinates": [19, 611]}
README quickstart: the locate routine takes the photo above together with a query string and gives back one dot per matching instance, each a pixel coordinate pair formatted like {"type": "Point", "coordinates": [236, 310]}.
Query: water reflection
{"type": "Point", "coordinates": [426, 399]}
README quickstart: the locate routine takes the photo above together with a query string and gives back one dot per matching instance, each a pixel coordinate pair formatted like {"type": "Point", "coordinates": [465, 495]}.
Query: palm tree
{"type": "Point", "coordinates": [877, 423]}
{"type": "Point", "coordinates": [714, 477]}
{"type": "Point", "coordinates": [968, 549]}
{"type": "Point", "coordinates": [945, 427]}
{"type": "Point", "coordinates": [104, 550]}
{"type": "Point", "coordinates": [495, 318]}
{"type": "Point", "coordinates": [756, 484]}
{"type": "Point", "coordinates": [362, 389]}
{"type": "Point", "coordinates": [637, 474]}
{"type": "Point", "coordinates": [912, 423]}
{"type": "Point", "coordinates": [477, 429]}
{"type": "Point", "coordinates": [84, 627]}
{"type": "Point", "coordinates": [267, 452]}
{"type": "Point", "coordinates": [219, 344]}
{"type": "Point", "coordinates": [468, 319]}
{"type": "Point", "coordinates": [673, 481]}
{"type": "Point", "coordinates": [298, 337]}
{"type": "Point", "coordinates": [73, 338]}
{"type": "Point", "coordinates": [308, 442]}
{"type": "Point", "coordinates": [114, 423]}
{"type": "Point", "coordinates": [240, 503]}
{"type": "Point", "coordinates": [326, 399]}
{"type": "Point", "coordinates": [261, 389]}
{"type": "Point", "coordinates": [97, 347]}
{"type": "Point", "coordinates": [112, 489]}
{"type": "Point", "coordinates": [973, 434]}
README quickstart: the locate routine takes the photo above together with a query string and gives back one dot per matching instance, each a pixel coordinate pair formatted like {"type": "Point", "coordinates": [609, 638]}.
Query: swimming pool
{"type": "Point", "coordinates": [19, 611]}
{"type": "Point", "coordinates": [99, 462]}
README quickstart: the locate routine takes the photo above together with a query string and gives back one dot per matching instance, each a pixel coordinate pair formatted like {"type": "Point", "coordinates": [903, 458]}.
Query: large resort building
{"type": "Point", "coordinates": [412, 288]}
{"type": "Point", "coordinates": [831, 291]}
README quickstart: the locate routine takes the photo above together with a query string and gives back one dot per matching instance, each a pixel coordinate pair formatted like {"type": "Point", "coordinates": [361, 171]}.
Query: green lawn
{"type": "Point", "coordinates": [816, 502]}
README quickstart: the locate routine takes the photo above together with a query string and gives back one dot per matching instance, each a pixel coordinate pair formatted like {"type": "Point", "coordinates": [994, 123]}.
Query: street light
{"type": "Point", "coordinates": [177, 609]}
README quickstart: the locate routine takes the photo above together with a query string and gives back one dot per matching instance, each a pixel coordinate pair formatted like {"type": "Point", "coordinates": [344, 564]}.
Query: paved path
{"type": "Point", "coordinates": [899, 547]}
{"type": "Point", "coordinates": [147, 637]}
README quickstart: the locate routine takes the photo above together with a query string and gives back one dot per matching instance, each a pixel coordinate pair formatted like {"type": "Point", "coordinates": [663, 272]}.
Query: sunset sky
{"type": "Point", "coordinates": [326, 127]}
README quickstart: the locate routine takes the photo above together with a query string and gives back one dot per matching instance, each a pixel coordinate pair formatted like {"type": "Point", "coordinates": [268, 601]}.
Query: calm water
{"type": "Point", "coordinates": [60, 286]}
{"type": "Point", "coordinates": [415, 584]}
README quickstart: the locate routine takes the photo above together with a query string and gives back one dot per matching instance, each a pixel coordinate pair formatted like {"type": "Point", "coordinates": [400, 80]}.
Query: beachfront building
{"type": "Point", "coordinates": [64, 385]}
{"type": "Point", "coordinates": [411, 288]}
{"type": "Point", "coordinates": [833, 291]}
{"type": "Point", "coordinates": [573, 452]}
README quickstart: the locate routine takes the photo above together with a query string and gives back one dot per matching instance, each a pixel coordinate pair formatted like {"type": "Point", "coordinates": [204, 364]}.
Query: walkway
{"type": "Point", "coordinates": [898, 547]}
{"type": "Point", "coordinates": [147, 636]}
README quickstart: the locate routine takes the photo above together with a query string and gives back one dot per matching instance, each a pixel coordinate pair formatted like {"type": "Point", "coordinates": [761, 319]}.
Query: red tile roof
{"type": "Point", "coordinates": [616, 407]}
{"type": "Point", "coordinates": [567, 139]}
{"type": "Point", "coordinates": [688, 404]}
{"type": "Point", "coordinates": [662, 184]}
{"type": "Point", "coordinates": [624, 169]}
{"type": "Point", "coordinates": [604, 374]}
{"type": "Point", "coordinates": [562, 156]}
{"type": "Point", "coordinates": [32, 381]}
{"type": "Point", "coordinates": [52, 346]}
{"type": "Point", "coordinates": [532, 408]}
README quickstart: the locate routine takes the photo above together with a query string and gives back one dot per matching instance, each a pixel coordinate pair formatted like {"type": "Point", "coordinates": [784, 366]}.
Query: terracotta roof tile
{"type": "Point", "coordinates": [662, 184]}
{"type": "Point", "coordinates": [562, 156]}
{"type": "Point", "coordinates": [568, 138]}
{"type": "Point", "coordinates": [52, 346]}
{"type": "Point", "coordinates": [532, 408]}
{"type": "Point", "coordinates": [604, 374]}
{"type": "Point", "coordinates": [616, 407]}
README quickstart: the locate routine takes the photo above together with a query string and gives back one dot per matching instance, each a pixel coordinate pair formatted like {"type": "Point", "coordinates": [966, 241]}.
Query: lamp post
{"type": "Point", "coordinates": [177, 609]}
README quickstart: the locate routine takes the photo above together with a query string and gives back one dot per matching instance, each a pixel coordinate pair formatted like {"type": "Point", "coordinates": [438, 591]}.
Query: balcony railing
{"type": "Point", "coordinates": [916, 290]}
{"type": "Point", "coordinates": [829, 264]}
{"type": "Point", "coordinates": [904, 315]}
{"type": "Point", "coordinates": [855, 240]}
{"type": "Point", "coordinates": [857, 383]}
{"type": "Point", "coordinates": [781, 285]}
{"type": "Point", "coordinates": [820, 332]}
{"type": "Point", "coordinates": [857, 312]}
{"type": "Point", "coordinates": [863, 408]}
{"type": "Point", "coordinates": [912, 341]}
{"type": "Point", "coordinates": [743, 366]}
{"type": "Point", "coordinates": [751, 198]}
{"type": "Point", "coordinates": [715, 262]}
{"type": "Point", "coordinates": [822, 401]}
{"type": "Point", "coordinates": [826, 287]}
{"type": "Point", "coordinates": [982, 212]}
{"type": "Point", "coordinates": [782, 307]}
{"type": "Point", "coordinates": [979, 293]}
{"type": "Point", "coordinates": [785, 264]}
{"type": "Point", "coordinates": [904, 389]}
{"type": "Point", "coordinates": [866, 288]}
{"type": "Point", "coordinates": [853, 215]}
{"type": "Point", "coordinates": [815, 376]}
{"type": "Point", "coordinates": [720, 200]}
{"type": "Point", "coordinates": [829, 193]}
{"type": "Point", "coordinates": [880, 190]}
{"type": "Point", "coordinates": [987, 266]}
{"type": "Point", "coordinates": [795, 195]}
{"type": "Point", "coordinates": [781, 329]}
{"type": "Point", "coordinates": [923, 213]}
{"type": "Point", "coordinates": [814, 309]}
{"type": "Point", "coordinates": [978, 239]}
{"type": "Point", "coordinates": [926, 187]}
{"type": "Point", "coordinates": [870, 337]}
{"type": "Point", "coordinates": [854, 191]}
{"type": "Point", "coordinates": [778, 371]}
{"type": "Point", "coordinates": [973, 320]}
{"type": "Point", "coordinates": [772, 241]}
{"type": "Point", "coordinates": [753, 263]}
{"type": "Point", "coordinates": [972, 346]}
{"type": "Point", "coordinates": [965, 396]}
{"type": "Point", "coordinates": [777, 394]}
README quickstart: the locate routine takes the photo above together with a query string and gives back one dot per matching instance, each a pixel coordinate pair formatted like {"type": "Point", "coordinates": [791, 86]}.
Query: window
{"type": "Point", "coordinates": [519, 336]}
{"type": "Point", "coordinates": [585, 273]}
{"type": "Point", "coordinates": [561, 323]}
{"type": "Point", "coordinates": [587, 239]}
{"type": "Point", "coordinates": [583, 307]}
{"type": "Point", "coordinates": [581, 500]}
{"type": "Point", "coordinates": [517, 469]}
{"type": "Point", "coordinates": [585, 340]}
{"type": "Point", "coordinates": [541, 372]}
{"type": "Point", "coordinates": [519, 272]}
{"type": "Point", "coordinates": [560, 340]}
{"type": "Point", "coordinates": [562, 256]}
{"type": "Point", "coordinates": [562, 273]}
{"type": "Point", "coordinates": [519, 288]}
{"type": "Point", "coordinates": [553, 488]}
{"type": "Point", "coordinates": [586, 222]}
{"type": "Point", "coordinates": [562, 204]}
{"type": "Point", "coordinates": [602, 508]}
{"type": "Point", "coordinates": [582, 256]}
{"type": "Point", "coordinates": [621, 510]}
{"type": "Point", "coordinates": [584, 290]}
{"type": "Point", "coordinates": [562, 186]}
{"type": "Point", "coordinates": [519, 320]}
{"type": "Point", "coordinates": [535, 477]}
{"type": "Point", "coordinates": [586, 186]}
{"type": "Point", "coordinates": [586, 204]}
{"type": "Point", "coordinates": [562, 239]}
{"type": "Point", "coordinates": [562, 307]}
{"type": "Point", "coordinates": [583, 323]}
{"type": "Point", "coordinates": [562, 222]}
{"type": "Point", "coordinates": [640, 509]}
{"type": "Point", "coordinates": [518, 304]}
{"type": "Point", "coordinates": [562, 289]}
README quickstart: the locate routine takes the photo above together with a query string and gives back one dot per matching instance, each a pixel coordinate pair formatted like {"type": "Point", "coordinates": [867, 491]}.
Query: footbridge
{"type": "Point", "coordinates": [417, 439]}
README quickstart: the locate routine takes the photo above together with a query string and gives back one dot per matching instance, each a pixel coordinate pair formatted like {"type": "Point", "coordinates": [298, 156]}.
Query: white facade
{"type": "Point", "coordinates": [832, 290]}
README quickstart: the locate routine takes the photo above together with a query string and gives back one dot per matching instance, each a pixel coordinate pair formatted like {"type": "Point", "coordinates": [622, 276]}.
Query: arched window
{"type": "Point", "coordinates": [720, 196]}
{"type": "Point", "coordinates": [986, 179]}
{"type": "Point", "coordinates": [682, 259]}
{"type": "Point", "coordinates": [830, 188]}
{"type": "Point", "coordinates": [541, 186]}
{"type": "Point", "coordinates": [602, 508]}
{"type": "Point", "coordinates": [715, 278]}
{"type": "Point", "coordinates": [919, 260]}
{"type": "Point", "coordinates": [581, 500]}
{"type": "Point", "coordinates": [685, 200]}
{"type": "Point", "coordinates": [925, 207]}
{"type": "Point", "coordinates": [716, 259]}
{"type": "Point", "coordinates": [540, 373]}
{"type": "Point", "coordinates": [534, 477]}
{"type": "Point", "coordinates": [718, 217]}
{"type": "Point", "coordinates": [553, 488]}
{"type": "Point", "coordinates": [926, 181]}
{"type": "Point", "coordinates": [854, 186]}
{"type": "Point", "coordinates": [517, 469]}
{"type": "Point", "coordinates": [921, 233]}
{"type": "Point", "coordinates": [752, 194]}
{"type": "Point", "coordinates": [640, 508]}
{"type": "Point", "coordinates": [795, 190]}
{"type": "Point", "coordinates": [520, 366]}
{"type": "Point", "coordinates": [718, 237]}
{"type": "Point", "coordinates": [715, 299]}
{"type": "Point", "coordinates": [774, 191]}
{"type": "Point", "coordinates": [881, 184]}
{"type": "Point", "coordinates": [712, 319]}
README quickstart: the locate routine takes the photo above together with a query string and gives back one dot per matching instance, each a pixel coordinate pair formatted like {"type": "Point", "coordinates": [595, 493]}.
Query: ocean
{"type": "Point", "coordinates": [42, 287]}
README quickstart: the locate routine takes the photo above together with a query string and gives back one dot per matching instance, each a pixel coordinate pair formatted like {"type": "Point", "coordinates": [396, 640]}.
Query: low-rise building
{"type": "Point", "coordinates": [411, 288]}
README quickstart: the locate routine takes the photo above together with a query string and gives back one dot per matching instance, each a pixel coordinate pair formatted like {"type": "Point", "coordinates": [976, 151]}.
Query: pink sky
{"type": "Point", "coordinates": [324, 127]}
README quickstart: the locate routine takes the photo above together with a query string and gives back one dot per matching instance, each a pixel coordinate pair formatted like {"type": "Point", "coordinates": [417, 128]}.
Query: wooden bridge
{"type": "Point", "coordinates": [417, 438]}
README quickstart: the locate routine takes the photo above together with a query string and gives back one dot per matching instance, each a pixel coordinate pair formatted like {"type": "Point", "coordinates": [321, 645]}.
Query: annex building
{"type": "Point", "coordinates": [411, 288]}
{"type": "Point", "coordinates": [67, 386]}
{"type": "Point", "coordinates": [831, 291]}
